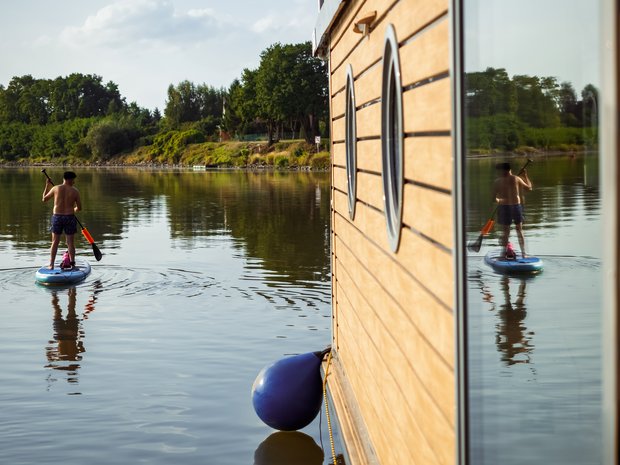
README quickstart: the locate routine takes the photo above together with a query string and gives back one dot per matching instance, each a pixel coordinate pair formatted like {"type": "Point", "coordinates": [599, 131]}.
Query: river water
{"type": "Point", "coordinates": [534, 344]}
{"type": "Point", "coordinates": [209, 276]}
{"type": "Point", "coordinates": [206, 277]}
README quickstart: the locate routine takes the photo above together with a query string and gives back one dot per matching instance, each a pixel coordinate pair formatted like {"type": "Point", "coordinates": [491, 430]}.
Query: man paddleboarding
{"type": "Point", "coordinates": [507, 192]}
{"type": "Point", "coordinates": [66, 203]}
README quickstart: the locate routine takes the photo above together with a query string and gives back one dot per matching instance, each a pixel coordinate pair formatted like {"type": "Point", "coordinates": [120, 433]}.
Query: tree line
{"type": "Point", "coordinates": [505, 113]}
{"type": "Point", "coordinates": [81, 117]}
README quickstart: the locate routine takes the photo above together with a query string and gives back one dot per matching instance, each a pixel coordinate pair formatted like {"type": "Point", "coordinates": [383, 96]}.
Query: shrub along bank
{"type": "Point", "coordinates": [188, 148]}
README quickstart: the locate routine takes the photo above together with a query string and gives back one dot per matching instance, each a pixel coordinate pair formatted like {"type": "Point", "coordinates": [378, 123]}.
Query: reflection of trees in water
{"type": "Point", "coordinates": [64, 351]}
{"type": "Point", "coordinates": [563, 186]}
{"type": "Point", "coordinates": [277, 217]}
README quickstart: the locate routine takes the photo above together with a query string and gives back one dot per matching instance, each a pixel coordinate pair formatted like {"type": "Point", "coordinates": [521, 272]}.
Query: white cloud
{"type": "Point", "coordinates": [263, 24]}
{"type": "Point", "coordinates": [143, 23]}
{"type": "Point", "coordinates": [145, 45]}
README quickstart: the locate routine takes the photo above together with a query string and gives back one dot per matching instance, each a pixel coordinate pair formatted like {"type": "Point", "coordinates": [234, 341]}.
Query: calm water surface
{"type": "Point", "coordinates": [534, 346]}
{"type": "Point", "coordinates": [206, 277]}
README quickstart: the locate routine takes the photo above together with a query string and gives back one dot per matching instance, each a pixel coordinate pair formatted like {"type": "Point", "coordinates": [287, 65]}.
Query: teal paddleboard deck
{"type": "Point", "coordinates": [58, 276]}
{"type": "Point", "coordinates": [516, 266]}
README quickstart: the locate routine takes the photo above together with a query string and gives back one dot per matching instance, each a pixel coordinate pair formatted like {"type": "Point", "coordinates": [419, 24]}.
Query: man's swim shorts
{"type": "Point", "coordinates": [64, 223]}
{"type": "Point", "coordinates": [506, 214]}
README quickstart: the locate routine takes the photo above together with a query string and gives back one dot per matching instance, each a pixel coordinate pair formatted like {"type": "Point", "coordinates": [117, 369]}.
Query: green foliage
{"type": "Point", "coordinates": [321, 161]}
{"type": "Point", "coordinates": [190, 103]}
{"type": "Point", "coordinates": [168, 146]}
{"type": "Point", "coordinates": [506, 113]}
{"type": "Point", "coordinates": [288, 90]}
{"type": "Point", "coordinates": [291, 85]}
{"type": "Point", "coordinates": [281, 161]}
{"type": "Point", "coordinates": [39, 101]}
{"type": "Point", "coordinates": [15, 140]}
{"type": "Point", "coordinates": [81, 117]}
{"type": "Point", "coordinates": [111, 136]}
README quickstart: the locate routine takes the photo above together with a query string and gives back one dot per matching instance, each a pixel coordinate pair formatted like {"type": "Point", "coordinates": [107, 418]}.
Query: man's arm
{"type": "Point", "coordinates": [48, 192]}
{"type": "Point", "coordinates": [524, 180]}
{"type": "Point", "coordinates": [78, 202]}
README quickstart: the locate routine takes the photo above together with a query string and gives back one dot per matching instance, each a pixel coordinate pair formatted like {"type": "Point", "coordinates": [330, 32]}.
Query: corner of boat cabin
{"type": "Point", "coordinates": [397, 379]}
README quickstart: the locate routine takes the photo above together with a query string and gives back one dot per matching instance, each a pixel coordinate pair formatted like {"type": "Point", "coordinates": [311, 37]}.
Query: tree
{"type": "Point", "coordinates": [291, 85]}
{"type": "Point", "coordinates": [188, 103]}
{"type": "Point", "coordinates": [567, 103]}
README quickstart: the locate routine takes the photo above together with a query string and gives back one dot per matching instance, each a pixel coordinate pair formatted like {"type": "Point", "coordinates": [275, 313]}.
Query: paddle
{"type": "Point", "coordinates": [85, 232]}
{"type": "Point", "coordinates": [474, 246]}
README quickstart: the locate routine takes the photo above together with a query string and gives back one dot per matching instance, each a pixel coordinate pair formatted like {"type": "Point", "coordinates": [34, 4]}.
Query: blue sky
{"type": "Point", "coordinates": [536, 37]}
{"type": "Point", "coordinates": [145, 45]}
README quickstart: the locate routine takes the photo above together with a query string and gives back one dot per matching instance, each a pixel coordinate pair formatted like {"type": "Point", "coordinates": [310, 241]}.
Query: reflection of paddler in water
{"type": "Point", "coordinates": [68, 345]}
{"type": "Point", "coordinates": [512, 338]}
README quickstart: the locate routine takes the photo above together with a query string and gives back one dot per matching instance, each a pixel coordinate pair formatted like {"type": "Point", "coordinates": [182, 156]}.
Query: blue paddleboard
{"type": "Point", "coordinates": [57, 276]}
{"type": "Point", "coordinates": [518, 265]}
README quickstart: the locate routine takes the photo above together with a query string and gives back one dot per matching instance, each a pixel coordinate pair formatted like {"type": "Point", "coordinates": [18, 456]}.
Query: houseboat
{"type": "Point", "coordinates": [436, 357]}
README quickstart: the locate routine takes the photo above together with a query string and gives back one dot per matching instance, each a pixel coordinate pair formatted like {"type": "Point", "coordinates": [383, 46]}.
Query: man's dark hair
{"type": "Point", "coordinates": [69, 175]}
{"type": "Point", "coordinates": [505, 166]}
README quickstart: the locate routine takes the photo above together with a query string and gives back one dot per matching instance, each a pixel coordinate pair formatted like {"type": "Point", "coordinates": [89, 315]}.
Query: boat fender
{"type": "Point", "coordinates": [288, 393]}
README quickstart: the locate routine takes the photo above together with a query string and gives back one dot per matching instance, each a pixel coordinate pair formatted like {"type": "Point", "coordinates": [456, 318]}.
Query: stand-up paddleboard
{"type": "Point", "coordinates": [58, 276]}
{"type": "Point", "coordinates": [518, 265]}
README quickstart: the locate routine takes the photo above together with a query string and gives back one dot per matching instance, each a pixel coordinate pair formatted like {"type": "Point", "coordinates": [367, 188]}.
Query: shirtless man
{"type": "Point", "coordinates": [66, 203]}
{"type": "Point", "coordinates": [506, 189]}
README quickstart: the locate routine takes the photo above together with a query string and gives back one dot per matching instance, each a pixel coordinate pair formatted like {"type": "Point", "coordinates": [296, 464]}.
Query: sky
{"type": "Point", "coordinates": [536, 37]}
{"type": "Point", "coordinates": [146, 45]}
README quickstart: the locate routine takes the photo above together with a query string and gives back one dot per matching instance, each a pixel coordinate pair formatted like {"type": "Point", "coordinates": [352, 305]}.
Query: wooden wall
{"type": "Point", "coordinates": [393, 312]}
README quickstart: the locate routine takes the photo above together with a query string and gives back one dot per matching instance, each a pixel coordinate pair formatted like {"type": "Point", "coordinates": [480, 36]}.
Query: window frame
{"type": "Point", "coordinates": [392, 138]}
{"type": "Point", "coordinates": [350, 140]}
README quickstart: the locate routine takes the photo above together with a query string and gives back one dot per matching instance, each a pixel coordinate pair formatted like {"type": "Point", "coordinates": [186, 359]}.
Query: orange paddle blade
{"type": "Point", "coordinates": [488, 227]}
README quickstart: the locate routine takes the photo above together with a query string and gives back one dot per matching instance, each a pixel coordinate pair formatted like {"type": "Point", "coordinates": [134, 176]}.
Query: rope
{"type": "Point", "coordinates": [329, 423]}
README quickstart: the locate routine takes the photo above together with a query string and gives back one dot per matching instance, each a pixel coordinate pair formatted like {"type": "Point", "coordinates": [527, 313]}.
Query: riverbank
{"type": "Point", "coordinates": [294, 155]}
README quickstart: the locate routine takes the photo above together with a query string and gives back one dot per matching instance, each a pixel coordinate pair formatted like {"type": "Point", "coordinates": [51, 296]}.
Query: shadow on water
{"type": "Point", "coordinates": [64, 351]}
{"type": "Point", "coordinates": [287, 448]}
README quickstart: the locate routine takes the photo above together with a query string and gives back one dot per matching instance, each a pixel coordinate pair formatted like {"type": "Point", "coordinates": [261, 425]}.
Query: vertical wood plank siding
{"type": "Point", "coordinates": [393, 330]}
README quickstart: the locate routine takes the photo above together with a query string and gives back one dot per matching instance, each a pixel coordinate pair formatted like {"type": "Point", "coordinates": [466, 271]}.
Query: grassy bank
{"type": "Point", "coordinates": [179, 149]}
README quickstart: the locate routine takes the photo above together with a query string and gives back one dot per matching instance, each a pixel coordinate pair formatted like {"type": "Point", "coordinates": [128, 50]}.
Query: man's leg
{"type": "Point", "coordinates": [54, 249]}
{"type": "Point", "coordinates": [519, 227]}
{"type": "Point", "coordinates": [505, 235]}
{"type": "Point", "coordinates": [71, 247]}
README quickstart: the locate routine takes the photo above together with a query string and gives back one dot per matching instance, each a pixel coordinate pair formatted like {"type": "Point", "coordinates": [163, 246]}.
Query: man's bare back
{"type": "Point", "coordinates": [66, 199]}
{"type": "Point", "coordinates": [507, 188]}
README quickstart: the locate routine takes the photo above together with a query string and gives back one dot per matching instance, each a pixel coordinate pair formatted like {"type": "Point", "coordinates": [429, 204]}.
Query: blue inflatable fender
{"type": "Point", "coordinates": [287, 394]}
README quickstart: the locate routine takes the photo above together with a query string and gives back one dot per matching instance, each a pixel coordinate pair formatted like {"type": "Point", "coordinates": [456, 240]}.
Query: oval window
{"type": "Point", "coordinates": [350, 141]}
{"type": "Point", "coordinates": [392, 138]}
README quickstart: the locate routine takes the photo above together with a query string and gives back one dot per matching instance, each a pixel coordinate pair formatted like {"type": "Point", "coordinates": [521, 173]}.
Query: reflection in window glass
{"type": "Point", "coordinates": [531, 86]}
